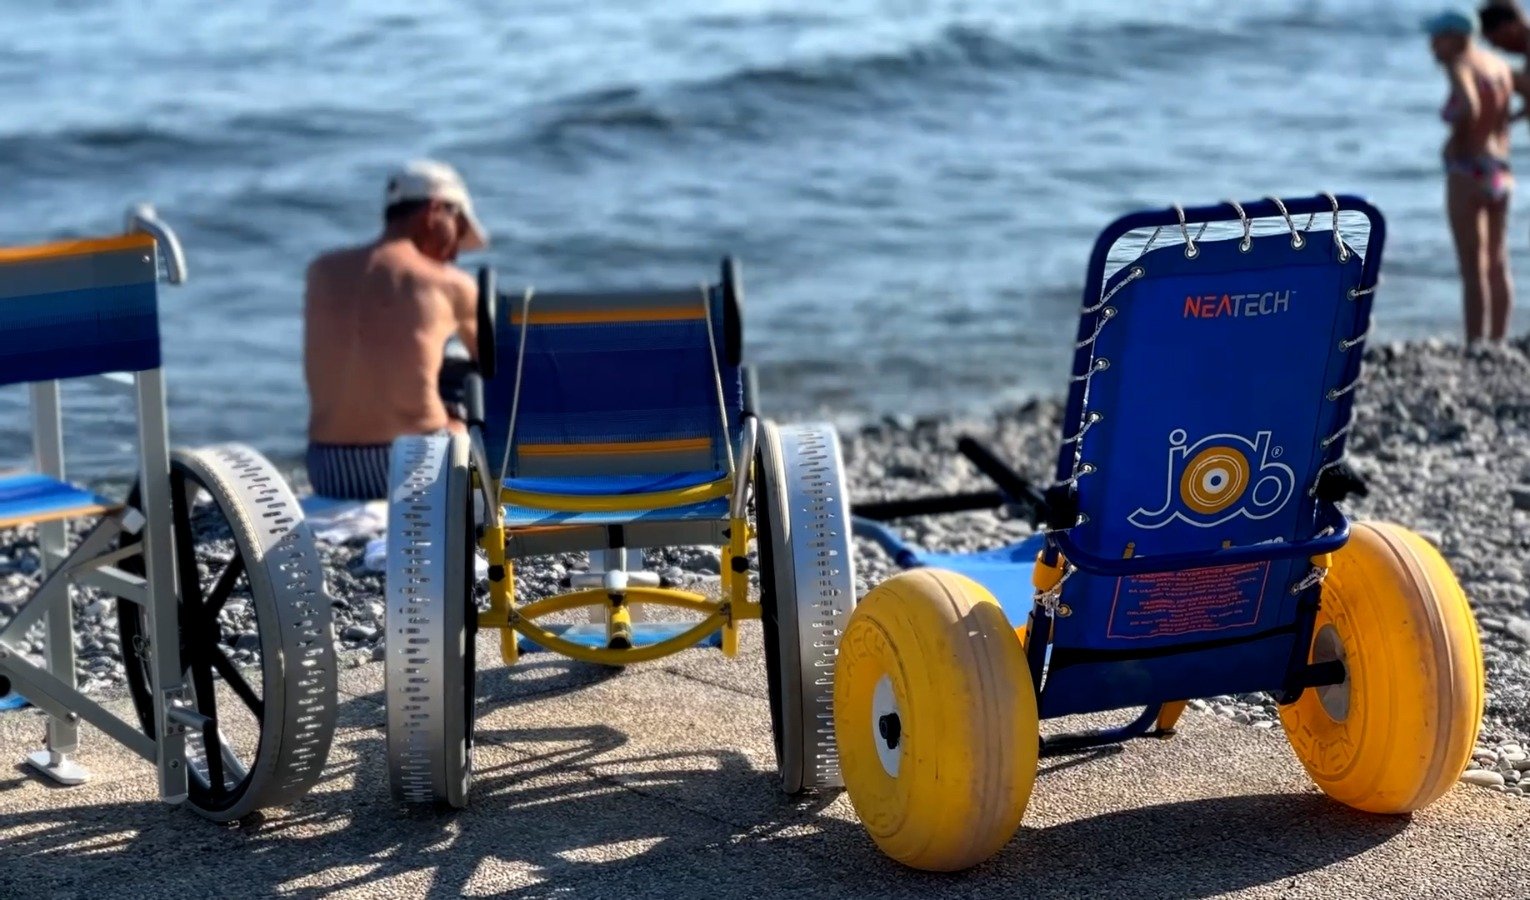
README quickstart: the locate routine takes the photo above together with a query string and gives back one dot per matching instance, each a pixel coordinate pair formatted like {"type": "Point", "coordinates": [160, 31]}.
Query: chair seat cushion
{"type": "Point", "coordinates": [613, 485]}
{"type": "Point", "coordinates": [522, 516]}
{"type": "Point", "coordinates": [30, 497]}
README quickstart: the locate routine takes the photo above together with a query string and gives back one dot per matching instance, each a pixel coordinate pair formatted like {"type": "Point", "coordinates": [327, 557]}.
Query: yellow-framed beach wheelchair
{"type": "Point", "coordinates": [605, 423]}
{"type": "Point", "coordinates": [234, 722]}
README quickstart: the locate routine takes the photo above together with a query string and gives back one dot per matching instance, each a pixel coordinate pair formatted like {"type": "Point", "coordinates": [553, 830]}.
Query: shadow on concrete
{"type": "Point", "coordinates": [578, 812]}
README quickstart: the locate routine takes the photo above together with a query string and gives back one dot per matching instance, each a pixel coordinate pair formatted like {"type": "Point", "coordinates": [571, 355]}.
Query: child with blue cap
{"type": "Point", "coordinates": [1449, 21]}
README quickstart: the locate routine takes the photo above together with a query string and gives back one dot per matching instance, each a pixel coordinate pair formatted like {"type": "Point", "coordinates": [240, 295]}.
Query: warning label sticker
{"type": "Point", "coordinates": [1164, 604]}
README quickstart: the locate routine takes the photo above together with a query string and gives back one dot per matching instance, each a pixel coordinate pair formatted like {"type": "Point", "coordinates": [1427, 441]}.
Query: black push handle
{"type": "Point", "coordinates": [751, 389]}
{"type": "Point", "coordinates": [488, 302]}
{"type": "Point", "coordinates": [886, 510]}
{"type": "Point", "coordinates": [472, 398]}
{"type": "Point", "coordinates": [1012, 484]}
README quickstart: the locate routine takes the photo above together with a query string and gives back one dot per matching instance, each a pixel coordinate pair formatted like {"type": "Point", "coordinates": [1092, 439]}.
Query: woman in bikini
{"type": "Point", "coordinates": [1478, 181]}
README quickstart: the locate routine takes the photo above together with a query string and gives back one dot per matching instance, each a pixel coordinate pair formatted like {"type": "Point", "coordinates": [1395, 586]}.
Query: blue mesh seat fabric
{"type": "Point", "coordinates": [617, 395]}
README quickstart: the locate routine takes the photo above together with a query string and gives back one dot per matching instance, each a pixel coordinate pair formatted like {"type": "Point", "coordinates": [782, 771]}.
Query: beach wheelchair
{"type": "Point", "coordinates": [1189, 545]}
{"type": "Point", "coordinates": [602, 424]}
{"type": "Point", "coordinates": [234, 721]}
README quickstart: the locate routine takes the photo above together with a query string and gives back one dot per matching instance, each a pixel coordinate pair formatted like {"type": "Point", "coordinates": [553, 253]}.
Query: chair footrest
{"type": "Point", "coordinates": [593, 634]}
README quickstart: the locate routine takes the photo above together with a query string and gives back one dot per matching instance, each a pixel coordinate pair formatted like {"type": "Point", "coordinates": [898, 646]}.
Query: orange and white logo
{"type": "Point", "coordinates": [1214, 480]}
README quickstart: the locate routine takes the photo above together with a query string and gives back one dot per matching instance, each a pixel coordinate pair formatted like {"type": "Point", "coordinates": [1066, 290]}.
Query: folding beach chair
{"type": "Point", "coordinates": [604, 423]}
{"type": "Point", "coordinates": [1191, 546]}
{"type": "Point", "coordinates": [226, 738]}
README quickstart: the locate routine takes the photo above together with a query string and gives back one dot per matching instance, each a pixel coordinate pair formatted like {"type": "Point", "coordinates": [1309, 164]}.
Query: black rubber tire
{"type": "Point", "coordinates": [298, 668]}
{"type": "Point", "coordinates": [765, 508]}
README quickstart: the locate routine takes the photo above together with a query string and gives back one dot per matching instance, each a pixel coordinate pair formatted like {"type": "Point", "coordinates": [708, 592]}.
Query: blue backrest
{"type": "Point", "coordinates": [613, 384]}
{"type": "Point", "coordinates": [1210, 391]}
{"type": "Point", "coordinates": [1208, 412]}
{"type": "Point", "coordinates": [78, 308]}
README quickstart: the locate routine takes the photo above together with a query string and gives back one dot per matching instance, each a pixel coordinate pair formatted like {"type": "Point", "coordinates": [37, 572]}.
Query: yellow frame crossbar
{"type": "Point", "coordinates": [619, 502]}
{"type": "Point", "coordinates": [723, 613]}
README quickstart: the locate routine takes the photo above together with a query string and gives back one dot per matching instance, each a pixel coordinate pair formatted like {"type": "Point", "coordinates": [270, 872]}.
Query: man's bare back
{"type": "Point", "coordinates": [377, 321]}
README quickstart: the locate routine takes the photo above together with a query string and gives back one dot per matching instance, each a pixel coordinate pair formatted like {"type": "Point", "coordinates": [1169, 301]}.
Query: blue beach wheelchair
{"type": "Point", "coordinates": [234, 720]}
{"type": "Point", "coordinates": [1189, 545]}
{"type": "Point", "coordinates": [603, 424]}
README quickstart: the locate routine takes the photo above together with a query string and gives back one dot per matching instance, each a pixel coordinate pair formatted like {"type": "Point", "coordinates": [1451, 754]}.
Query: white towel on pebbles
{"type": "Point", "coordinates": [340, 521]}
{"type": "Point", "coordinates": [337, 521]}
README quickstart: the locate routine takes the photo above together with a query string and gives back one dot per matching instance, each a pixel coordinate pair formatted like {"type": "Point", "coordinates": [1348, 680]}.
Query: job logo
{"type": "Point", "coordinates": [1215, 480]}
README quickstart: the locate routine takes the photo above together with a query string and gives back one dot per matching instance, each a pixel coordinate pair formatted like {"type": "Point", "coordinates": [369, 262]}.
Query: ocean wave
{"type": "Point", "coordinates": [238, 138]}
{"type": "Point", "coordinates": [764, 101]}
{"type": "Point", "coordinates": [752, 101]}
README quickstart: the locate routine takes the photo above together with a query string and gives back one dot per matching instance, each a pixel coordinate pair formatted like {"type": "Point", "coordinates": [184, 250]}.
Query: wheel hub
{"type": "Point", "coordinates": [1327, 647]}
{"type": "Point", "coordinates": [887, 723]}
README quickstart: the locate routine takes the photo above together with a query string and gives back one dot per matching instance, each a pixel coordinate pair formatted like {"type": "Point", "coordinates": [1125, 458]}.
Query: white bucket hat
{"type": "Point", "coordinates": [428, 179]}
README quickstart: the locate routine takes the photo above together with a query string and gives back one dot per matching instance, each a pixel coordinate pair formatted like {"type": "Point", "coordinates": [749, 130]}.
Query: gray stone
{"type": "Point", "coordinates": [1482, 777]}
{"type": "Point", "coordinates": [247, 642]}
{"type": "Point", "coordinates": [707, 562]}
{"type": "Point", "coordinates": [1519, 496]}
{"type": "Point", "coordinates": [359, 633]}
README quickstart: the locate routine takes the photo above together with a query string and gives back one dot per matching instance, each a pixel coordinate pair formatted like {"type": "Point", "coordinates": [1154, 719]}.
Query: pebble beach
{"type": "Point", "coordinates": [1442, 438]}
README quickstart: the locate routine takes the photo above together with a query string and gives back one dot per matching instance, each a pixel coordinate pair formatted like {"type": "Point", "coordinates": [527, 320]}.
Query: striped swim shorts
{"type": "Point", "coordinates": [349, 471]}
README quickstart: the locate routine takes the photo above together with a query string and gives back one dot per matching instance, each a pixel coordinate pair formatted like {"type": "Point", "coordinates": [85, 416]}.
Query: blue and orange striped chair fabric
{"type": "Point", "coordinates": [26, 497]}
{"type": "Point", "coordinates": [614, 386]}
{"type": "Point", "coordinates": [78, 308]}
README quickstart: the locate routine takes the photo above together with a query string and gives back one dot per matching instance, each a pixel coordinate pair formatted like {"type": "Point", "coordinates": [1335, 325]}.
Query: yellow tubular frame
{"type": "Point", "coordinates": [724, 613]}
{"type": "Point", "coordinates": [619, 502]}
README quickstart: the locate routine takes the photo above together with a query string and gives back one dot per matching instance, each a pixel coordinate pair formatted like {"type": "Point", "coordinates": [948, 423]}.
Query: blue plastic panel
{"type": "Point", "coordinates": [592, 634]}
{"type": "Point", "coordinates": [1143, 639]}
{"type": "Point", "coordinates": [1004, 571]}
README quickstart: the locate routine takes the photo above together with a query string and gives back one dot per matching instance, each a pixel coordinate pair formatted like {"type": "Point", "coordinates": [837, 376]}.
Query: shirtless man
{"type": "Point", "coordinates": [376, 322]}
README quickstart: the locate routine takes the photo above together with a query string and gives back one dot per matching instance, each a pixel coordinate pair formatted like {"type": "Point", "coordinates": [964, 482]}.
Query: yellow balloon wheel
{"type": "Point", "coordinates": [936, 720]}
{"type": "Point", "coordinates": [1399, 731]}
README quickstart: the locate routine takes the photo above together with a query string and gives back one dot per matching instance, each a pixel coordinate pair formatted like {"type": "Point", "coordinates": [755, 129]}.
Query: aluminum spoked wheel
{"type": "Point", "coordinates": [807, 589]}
{"type": "Point", "coordinates": [256, 634]}
{"type": "Point", "coordinates": [431, 621]}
